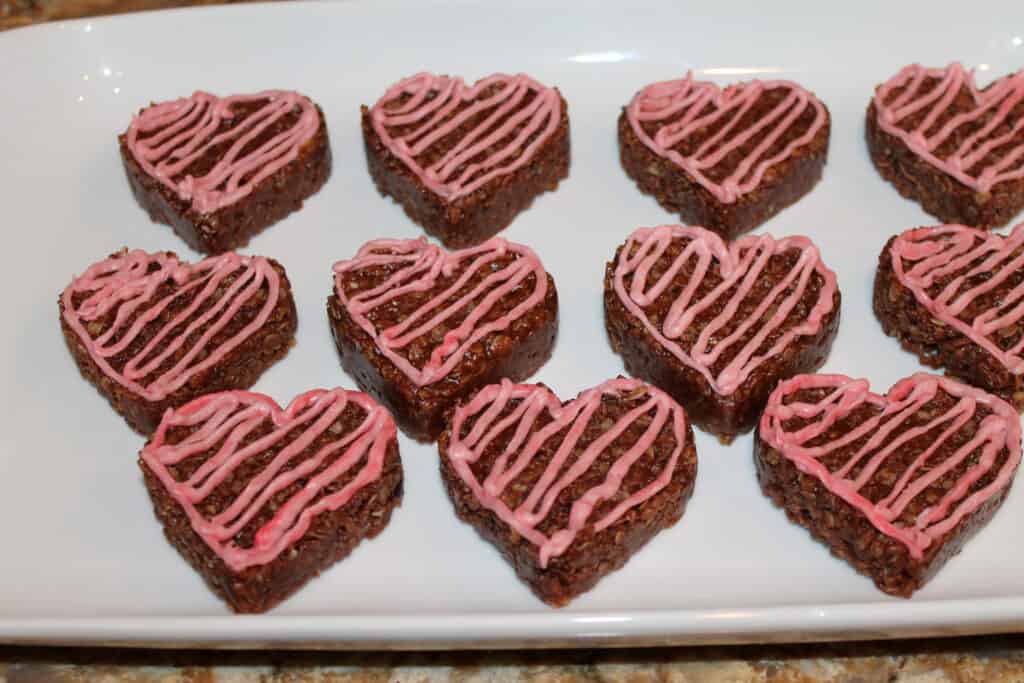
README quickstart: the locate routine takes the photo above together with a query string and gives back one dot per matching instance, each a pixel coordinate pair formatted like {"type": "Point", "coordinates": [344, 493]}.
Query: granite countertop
{"type": "Point", "coordinates": [989, 659]}
{"type": "Point", "coordinates": [15, 13]}
{"type": "Point", "coordinates": [994, 659]}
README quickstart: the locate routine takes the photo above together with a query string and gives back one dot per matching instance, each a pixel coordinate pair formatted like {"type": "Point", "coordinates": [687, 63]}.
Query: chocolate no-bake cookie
{"type": "Point", "coordinates": [717, 325]}
{"type": "Point", "coordinates": [260, 499]}
{"type": "Point", "coordinates": [219, 170]}
{"type": "Point", "coordinates": [954, 148]}
{"type": "Point", "coordinates": [419, 328]}
{"type": "Point", "coordinates": [567, 492]}
{"type": "Point", "coordinates": [954, 296]}
{"type": "Point", "coordinates": [727, 159]}
{"type": "Point", "coordinates": [152, 333]}
{"type": "Point", "coordinates": [895, 485]}
{"type": "Point", "coordinates": [463, 160]}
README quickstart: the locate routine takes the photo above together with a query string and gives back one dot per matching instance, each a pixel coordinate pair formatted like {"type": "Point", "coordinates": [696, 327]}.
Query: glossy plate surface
{"type": "Point", "coordinates": [83, 558]}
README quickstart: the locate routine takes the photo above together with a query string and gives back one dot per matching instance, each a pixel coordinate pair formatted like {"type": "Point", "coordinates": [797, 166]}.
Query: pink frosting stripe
{"type": "Point", "coordinates": [222, 421]}
{"type": "Point", "coordinates": [922, 256]}
{"type": "Point", "coordinates": [992, 112]}
{"type": "Point", "coordinates": [418, 267]}
{"type": "Point", "coordinates": [123, 285]}
{"type": "Point", "coordinates": [687, 101]}
{"type": "Point", "coordinates": [1000, 430]}
{"type": "Point", "coordinates": [740, 265]}
{"type": "Point", "coordinates": [433, 112]}
{"type": "Point", "coordinates": [535, 400]}
{"type": "Point", "coordinates": [166, 138]}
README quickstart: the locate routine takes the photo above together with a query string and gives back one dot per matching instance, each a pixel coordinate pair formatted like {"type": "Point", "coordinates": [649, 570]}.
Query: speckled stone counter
{"type": "Point", "coordinates": [14, 13]}
{"type": "Point", "coordinates": [990, 659]}
{"type": "Point", "coordinates": [996, 659]}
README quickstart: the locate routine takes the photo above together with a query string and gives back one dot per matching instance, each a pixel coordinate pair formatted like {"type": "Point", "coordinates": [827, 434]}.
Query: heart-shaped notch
{"type": "Point", "coordinates": [220, 169]}
{"type": "Point", "coordinates": [727, 159]}
{"type": "Point", "coordinates": [717, 325]}
{"type": "Point", "coordinates": [260, 499]}
{"type": "Point", "coordinates": [419, 327]}
{"type": "Point", "coordinates": [464, 160]}
{"type": "Point", "coordinates": [152, 332]}
{"type": "Point", "coordinates": [568, 492]}
{"type": "Point", "coordinates": [954, 147]}
{"type": "Point", "coordinates": [952, 295]}
{"type": "Point", "coordinates": [893, 484]}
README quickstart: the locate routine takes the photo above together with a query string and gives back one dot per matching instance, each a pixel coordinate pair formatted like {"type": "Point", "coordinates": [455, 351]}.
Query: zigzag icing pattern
{"type": "Point", "coordinates": [687, 107]}
{"type": "Point", "coordinates": [222, 422]}
{"type": "Point", "coordinates": [167, 138]}
{"type": "Point", "coordinates": [979, 263]}
{"type": "Point", "coordinates": [532, 401]}
{"type": "Point", "coordinates": [439, 105]}
{"type": "Point", "coordinates": [991, 152]}
{"type": "Point", "coordinates": [740, 264]}
{"type": "Point", "coordinates": [997, 432]}
{"type": "Point", "coordinates": [419, 266]}
{"type": "Point", "coordinates": [125, 286]}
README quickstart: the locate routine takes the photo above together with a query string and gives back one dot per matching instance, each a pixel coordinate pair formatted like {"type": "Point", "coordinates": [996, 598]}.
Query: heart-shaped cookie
{"type": "Point", "coordinates": [260, 499]}
{"type": "Point", "coordinates": [464, 160]}
{"type": "Point", "coordinates": [419, 328]}
{"type": "Point", "coordinates": [893, 484]}
{"type": "Point", "coordinates": [717, 325]}
{"type": "Point", "coordinates": [568, 492]}
{"type": "Point", "coordinates": [220, 169]}
{"type": "Point", "coordinates": [955, 148]}
{"type": "Point", "coordinates": [953, 295]}
{"type": "Point", "coordinates": [724, 159]}
{"type": "Point", "coordinates": [151, 332]}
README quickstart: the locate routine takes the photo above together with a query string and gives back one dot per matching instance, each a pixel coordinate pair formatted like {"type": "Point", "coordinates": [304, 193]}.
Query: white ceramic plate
{"type": "Point", "coordinates": [83, 558]}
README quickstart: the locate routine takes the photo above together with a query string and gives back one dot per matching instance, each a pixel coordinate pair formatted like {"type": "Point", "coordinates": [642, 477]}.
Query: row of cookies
{"type": "Point", "coordinates": [420, 328]}
{"type": "Point", "coordinates": [435, 337]}
{"type": "Point", "coordinates": [464, 160]}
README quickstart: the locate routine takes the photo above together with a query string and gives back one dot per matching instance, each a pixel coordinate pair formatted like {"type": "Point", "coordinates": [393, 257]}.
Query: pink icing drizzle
{"type": "Point", "coordinates": [178, 133]}
{"type": "Point", "coordinates": [740, 265]}
{"type": "Point", "coordinates": [527, 440]}
{"type": "Point", "coordinates": [123, 285]}
{"type": "Point", "coordinates": [999, 430]}
{"type": "Point", "coordinates": [431, 110]}
{"type": "Point", "coordinates": [223, 422]}
{"type": "Point", "coordinates": [919, 260]}
{"type": "Point", "coordinates": [996, 103]}
{"type": "Point", "coordinates": [420, 265]}
{"type": "Point", "coordinates": [687, 99]}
